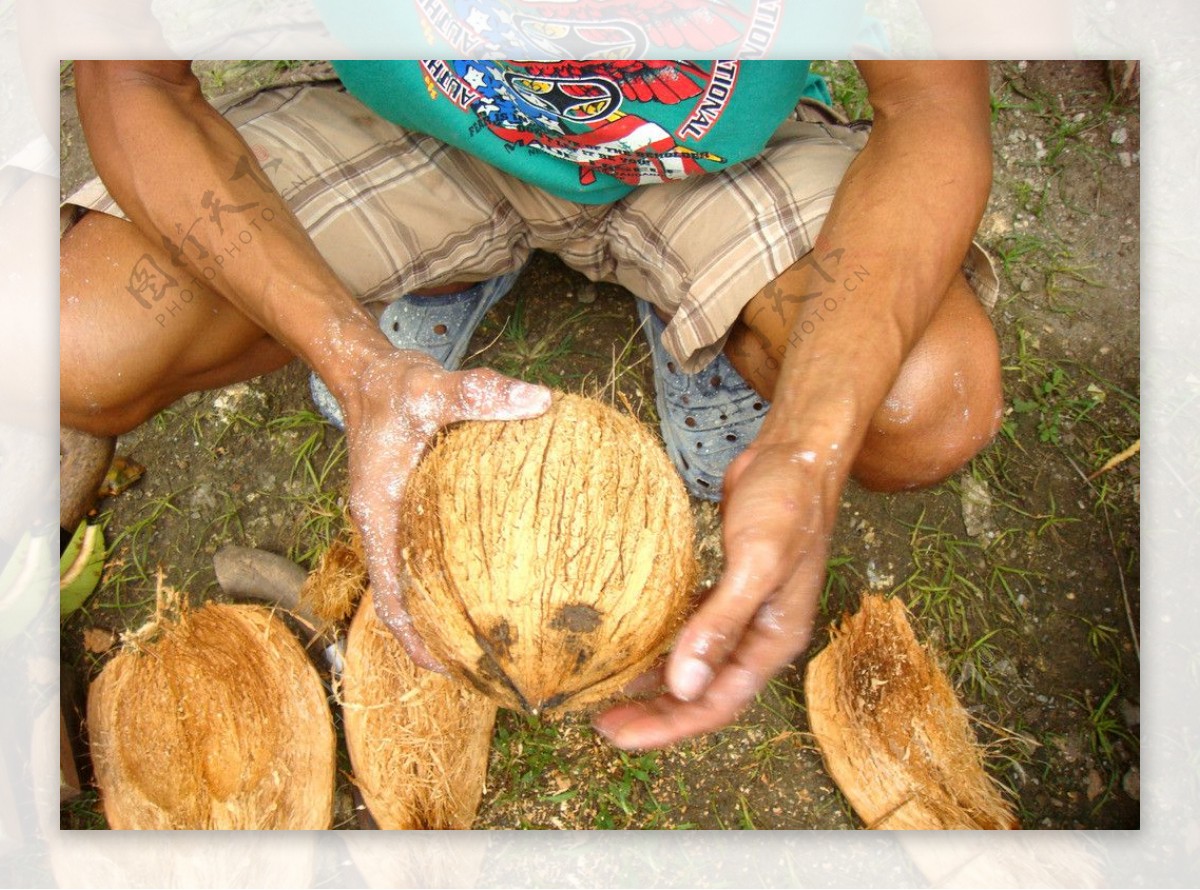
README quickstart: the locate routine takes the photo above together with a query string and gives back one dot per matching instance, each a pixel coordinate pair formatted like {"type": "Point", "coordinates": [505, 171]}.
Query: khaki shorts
{"type": "Point", "coordinates": [394, 211]}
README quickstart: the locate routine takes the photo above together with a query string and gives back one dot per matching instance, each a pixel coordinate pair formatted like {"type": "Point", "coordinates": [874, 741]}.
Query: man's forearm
{"type": "Point", "coordinates": [185, 177]}
{"type": "Point", "coordinates": [898, 230]}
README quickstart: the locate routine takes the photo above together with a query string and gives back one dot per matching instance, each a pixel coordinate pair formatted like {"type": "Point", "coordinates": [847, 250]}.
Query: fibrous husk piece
{"type": "Point", "coordinates": [551, 559]}
{"type": "Point", "coordinates": [418, 740]}
{"type": "Point", "coordinates": [214, 720]}
{"type": "Point", "coordinates": [334, 587]}
{"type": "Point", "coordinates": [893, 734]}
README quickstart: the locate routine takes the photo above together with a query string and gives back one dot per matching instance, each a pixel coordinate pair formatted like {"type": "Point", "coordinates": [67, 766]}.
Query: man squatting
{"type": "Point", "coordinates": [811, 293]}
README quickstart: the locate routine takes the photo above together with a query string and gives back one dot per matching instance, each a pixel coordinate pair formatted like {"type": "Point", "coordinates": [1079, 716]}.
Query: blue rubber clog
{"type": "Point", "coordinates": [440, 326]}
{"type": "Point", "coordinates": [707, 418]}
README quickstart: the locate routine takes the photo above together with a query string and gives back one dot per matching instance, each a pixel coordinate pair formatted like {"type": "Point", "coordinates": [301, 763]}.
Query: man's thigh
{"type": "Point", "coordinates": [701, 249]}
{"type": "Point", "coordinates": [391, 211]}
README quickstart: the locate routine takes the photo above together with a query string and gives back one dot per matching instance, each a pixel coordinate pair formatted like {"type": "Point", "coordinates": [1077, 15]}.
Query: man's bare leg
{"type": "Point", "coordinates": [137, 333]}
{"type": "Point", "coordinates": [943, 408]}
{"type": "Point", "coordinates": [125, 354]}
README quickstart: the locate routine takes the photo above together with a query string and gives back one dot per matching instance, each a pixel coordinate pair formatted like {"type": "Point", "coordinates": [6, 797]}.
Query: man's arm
{"type": "Point", "coordinates": [174, 164]}
{"type": "Point", "coordinates": [905, 213]}
{"type": "Point", "coordinates": [185, 178]}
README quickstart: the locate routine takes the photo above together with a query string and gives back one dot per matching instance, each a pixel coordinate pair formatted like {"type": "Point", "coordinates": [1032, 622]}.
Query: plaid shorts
{"type": "Point", "coordinates": [394, 211]}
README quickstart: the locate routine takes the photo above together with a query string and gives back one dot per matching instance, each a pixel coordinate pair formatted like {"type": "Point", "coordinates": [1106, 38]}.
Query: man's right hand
{"type": "Point", "coordinates": [396, 403]}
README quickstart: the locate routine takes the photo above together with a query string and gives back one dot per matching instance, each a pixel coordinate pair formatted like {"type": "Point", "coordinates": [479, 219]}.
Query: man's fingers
{"type": "Point", "coordinates": [389, 606]}
{"type": "Point", "coordinates": [665, 720]}
{"type": "Point", "coordinates": [649, 681]}
{"type": "Point", "coordinates": [484, 394]}
{"type": "Point", "coordinates": [778, 632]}
{"type": "Point", "coordinates": [716, 629]}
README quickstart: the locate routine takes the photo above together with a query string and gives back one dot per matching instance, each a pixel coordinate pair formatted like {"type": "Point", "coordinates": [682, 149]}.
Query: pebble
{"type": "Point", "coordinates": [878, 580]}
{"type": "Point", "coordinates": [1131, 783]}
{"type": "Point", "coordinates": [1119, 136]}
{"type": "Point", "coordinates": [1131, 713]}
{"type": "Point", "coordinates": [1125, 158]}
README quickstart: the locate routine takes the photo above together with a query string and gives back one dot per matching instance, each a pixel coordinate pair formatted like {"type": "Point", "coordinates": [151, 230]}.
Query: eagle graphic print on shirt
{"type": "Point", "coordinates": [574, 110]}
{"type": "Point", "coordinates": [587, 130]}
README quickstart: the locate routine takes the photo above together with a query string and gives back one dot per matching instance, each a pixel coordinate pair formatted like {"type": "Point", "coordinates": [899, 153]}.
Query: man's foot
{"type": "Point", "coordinates": [707, 418]}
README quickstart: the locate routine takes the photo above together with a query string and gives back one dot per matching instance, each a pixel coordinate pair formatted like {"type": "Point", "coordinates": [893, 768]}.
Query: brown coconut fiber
{"type": "Point", "coordinates": [551, 559]}
{"type": "Point", "coordinates": [334, 587]}
{"type": "Point", "coordinates": [214, 720]}
{"type": "Point", "coordinates": [418, 740]}
{"type": "Point", "coordinates": [892, 732]}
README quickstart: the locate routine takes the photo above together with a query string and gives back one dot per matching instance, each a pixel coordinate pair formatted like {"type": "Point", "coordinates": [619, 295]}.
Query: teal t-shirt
{"type": "Point", "coordinates": [590, 131]}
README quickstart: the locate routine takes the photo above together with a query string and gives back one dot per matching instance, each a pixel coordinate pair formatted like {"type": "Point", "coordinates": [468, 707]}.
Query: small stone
{"type": "Point", "coordinates": [1095, 785]}
{"type": "Point", "coordinates": [976, 502]}
{"type": "Point", "coordinates": [1026, 285]}
{"type": "Point", "coordinates": [1131, 783]}
{"type": "Point", "coordinates": [1125, 158]}
{"type": "Point", "coordinates": [586, 292]}
{"type": "Point", "coordinates": [878, 580]}
{"type": "Point", "coordinates": [98, 640]}
{"type": "Point", "coordinates": [1119, 136]}
{"type": "Point", "coordinates": [1131, 712]}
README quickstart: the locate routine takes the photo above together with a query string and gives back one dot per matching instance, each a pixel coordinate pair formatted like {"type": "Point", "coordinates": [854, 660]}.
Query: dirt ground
{"type": "Point", "coordinates": [1022, 571]}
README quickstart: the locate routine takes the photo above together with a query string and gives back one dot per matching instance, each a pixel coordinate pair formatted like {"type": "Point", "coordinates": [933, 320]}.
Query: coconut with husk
{"type": "Point", "coordinates": [550, 559]}
{"type": "Point", "coordinates": [212, 718]}
{"type": "Point", "coordinates": [892, 732]}
{"type": "Point", "coordinates": [418, 740]}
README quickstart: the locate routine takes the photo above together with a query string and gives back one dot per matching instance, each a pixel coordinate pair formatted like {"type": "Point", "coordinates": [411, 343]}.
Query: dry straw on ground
{"type": "Point", "coordinates": [552, 559]}
{"type": "Point", "coordinates": [214, 719]}
{"type": "Point", "coordinates": [418, 740]}
{"type": "Point", "coordinates": [893, 734]}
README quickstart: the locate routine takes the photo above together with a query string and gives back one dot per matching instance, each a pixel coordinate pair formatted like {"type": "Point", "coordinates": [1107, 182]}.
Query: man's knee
{"type": "Point", "coordinates": [945, 406]}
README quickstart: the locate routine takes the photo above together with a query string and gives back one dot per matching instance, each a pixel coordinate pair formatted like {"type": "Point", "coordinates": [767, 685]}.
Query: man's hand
{"type": "Point", "coordinates": [398, 401]}
{"type": "Point", "coordinates": [904, 214]}
{"type": "Point", "coordinates": [778, 514]}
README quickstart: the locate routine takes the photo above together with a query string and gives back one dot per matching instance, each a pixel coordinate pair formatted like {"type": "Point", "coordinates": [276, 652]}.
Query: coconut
{"type": "Point", "coordinates": [550, 559]}
{"type": "Point", "coordinates": [418, 740]}
{"type": "Point", "coordinates": [214, 720]}
{"type": "Point", "coordinates": [892, 732]}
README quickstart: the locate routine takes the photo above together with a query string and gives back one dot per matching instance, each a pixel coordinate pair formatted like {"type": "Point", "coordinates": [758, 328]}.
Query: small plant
{"type": "Point", "coordinates": [84, 812]}
{"type": "Point", "coordinates": [628, 801]}
{"type": "Point", "coordinates": [1105, 727]}
{"type": "Point", "coordinates": [538, 359]}
{"type": "Point", "coordinates": [524, 752]}
{"type": "Point", "coordinates": [846, 87]}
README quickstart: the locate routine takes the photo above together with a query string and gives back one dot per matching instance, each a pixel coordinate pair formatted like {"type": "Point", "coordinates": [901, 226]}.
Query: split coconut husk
{"type": "Point", "coordinates": [893, 734]}
{"type": "Point", "coordinates": [418, 740]}
{"type": "Point", "coordinates": [215, 719]}
{"type": "Point", "coordinates": [551, 559]}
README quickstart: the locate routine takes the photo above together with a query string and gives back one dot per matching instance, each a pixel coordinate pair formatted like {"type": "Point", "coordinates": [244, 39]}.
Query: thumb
{"type": "Point", "coordinates": [484, 394]}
